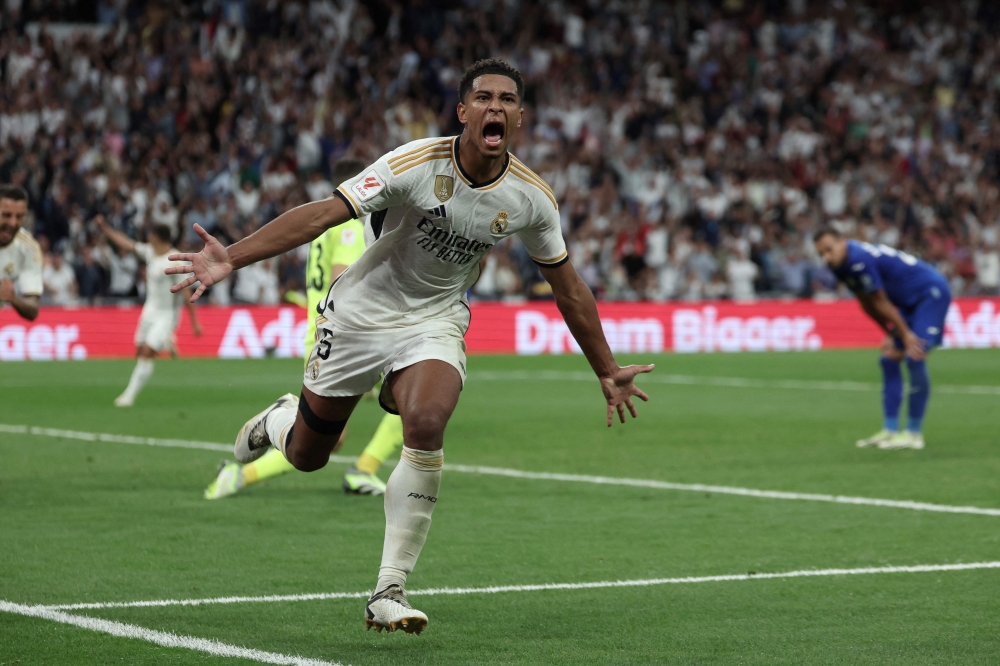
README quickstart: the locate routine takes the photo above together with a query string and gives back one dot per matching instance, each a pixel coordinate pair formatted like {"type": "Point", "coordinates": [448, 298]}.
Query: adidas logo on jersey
{"type": "Point", "coordinates": [438, 212]}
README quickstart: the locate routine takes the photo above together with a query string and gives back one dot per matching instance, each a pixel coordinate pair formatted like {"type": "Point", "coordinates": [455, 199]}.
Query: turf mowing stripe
{"type": "Point", "coordinates": [804, 573]}
{"type": "Point", "coordinates": [731, 382]}
{"type": "Point", "coordinates": [162, 638]}
{"type": "Point", "coordinates": [542, 476]}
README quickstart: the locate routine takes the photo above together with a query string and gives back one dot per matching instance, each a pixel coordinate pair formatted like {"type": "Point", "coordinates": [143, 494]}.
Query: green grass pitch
{"type": "Point", "coordinates": [101, 521]}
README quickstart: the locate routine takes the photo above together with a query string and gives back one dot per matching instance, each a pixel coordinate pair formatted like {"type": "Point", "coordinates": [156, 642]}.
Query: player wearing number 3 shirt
{"type": "Point", "coordinates": [432, 209]}
{"type": "Point", "coordinates": [909, 299]}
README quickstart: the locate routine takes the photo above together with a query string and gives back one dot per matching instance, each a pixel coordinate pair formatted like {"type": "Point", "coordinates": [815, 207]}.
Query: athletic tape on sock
{"type": "Point", "coordinates": [425, 461]}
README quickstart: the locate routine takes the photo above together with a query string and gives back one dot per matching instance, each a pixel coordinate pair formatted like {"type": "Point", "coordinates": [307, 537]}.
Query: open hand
{"type": "Point", "coordinates": [618, 391]}
{"type": "Point", "coordinates": [914, 347]}
{"type": "Point", "coordinates": [210, 266]}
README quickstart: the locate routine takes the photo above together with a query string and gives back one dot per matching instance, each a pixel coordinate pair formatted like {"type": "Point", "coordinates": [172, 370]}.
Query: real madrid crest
{"type": "Point", "coordinates": [444, 187]}
{"type": "Point", "coordinates": [314, 370]}
{"type": "Point", "coordinates": [499, 223]}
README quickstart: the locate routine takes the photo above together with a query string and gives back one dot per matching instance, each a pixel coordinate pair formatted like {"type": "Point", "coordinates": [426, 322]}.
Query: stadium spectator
{"type": "Point", "coordinates": [89, 276]}
{"type": "Point", "coordinates": [741, 273]}
{"type": "Point", "coordinates": [657, 125]}
{"type": "Point", "coordinates": [59, 281]}
{"type": "Point", "coordinates": [121, 267]}
{"type": "Point", "coordinates": [987, 262]}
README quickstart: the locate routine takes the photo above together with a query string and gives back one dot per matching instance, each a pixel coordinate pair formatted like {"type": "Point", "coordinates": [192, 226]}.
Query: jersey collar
{"type": "Point", "coordinates": [468, 179]}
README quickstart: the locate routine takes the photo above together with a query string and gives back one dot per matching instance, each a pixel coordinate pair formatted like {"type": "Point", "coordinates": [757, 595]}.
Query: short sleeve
{"type": "Point", "coordinates": [349, 243]}
{"type": "Point", "coordinates": [376, 188]}
{"type": "Point", "coordinates": [29, 282]}
{"type": "Point", "coordinates": [543, 237]}
{"type": "Point", "coordinates": [144, 251]}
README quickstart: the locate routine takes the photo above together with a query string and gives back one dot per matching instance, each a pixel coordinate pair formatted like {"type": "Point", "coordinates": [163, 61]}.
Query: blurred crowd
{"type": "Point", "coordinates": [693, 145]}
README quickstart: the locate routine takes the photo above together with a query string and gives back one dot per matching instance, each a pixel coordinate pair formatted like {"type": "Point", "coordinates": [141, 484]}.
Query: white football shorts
{"type": "Point", "coordinates": [348, 361]}
{"type": "Point", "coordinates": [156, 329]}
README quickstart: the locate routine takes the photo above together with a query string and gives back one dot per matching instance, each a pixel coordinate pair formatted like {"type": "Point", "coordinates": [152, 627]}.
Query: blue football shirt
{"type": "Point", "coordinates": [906, 279]}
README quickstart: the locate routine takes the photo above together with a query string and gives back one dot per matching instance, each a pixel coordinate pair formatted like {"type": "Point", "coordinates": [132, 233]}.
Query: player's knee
{"type": "Point", "coordinates": [424, 430]}
{"type": "Point", "coordinates": [892, 356]}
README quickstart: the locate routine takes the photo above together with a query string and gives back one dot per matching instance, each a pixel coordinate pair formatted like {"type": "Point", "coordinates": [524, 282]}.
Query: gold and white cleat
{"type": "Point", "coordinates": [904, 440]}
{"type": "Point", "coordinates": [876, 439]}
{"type": "Point", "coordinates": [389, 610]}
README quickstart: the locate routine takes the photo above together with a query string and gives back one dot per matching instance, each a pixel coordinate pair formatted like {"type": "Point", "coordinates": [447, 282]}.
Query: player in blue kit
{"type": "Point", "coordinates": [909, 299]}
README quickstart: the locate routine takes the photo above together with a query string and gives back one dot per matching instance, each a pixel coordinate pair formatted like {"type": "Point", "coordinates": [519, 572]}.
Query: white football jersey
{"type": "Point", "coordinates": [427, 225]}
{"type": "Point", "coordinates": [21, 263]}
{"type": "Point", "coordinates": [158, 284]}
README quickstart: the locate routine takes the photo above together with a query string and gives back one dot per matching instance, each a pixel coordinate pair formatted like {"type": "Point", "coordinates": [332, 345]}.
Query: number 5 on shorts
{"type": "Point", "coordinates": [323, 346]}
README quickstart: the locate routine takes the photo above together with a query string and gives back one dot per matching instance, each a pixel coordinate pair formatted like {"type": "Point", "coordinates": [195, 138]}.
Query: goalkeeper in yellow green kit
{"type": "Point", "coordinates": [329, 256]}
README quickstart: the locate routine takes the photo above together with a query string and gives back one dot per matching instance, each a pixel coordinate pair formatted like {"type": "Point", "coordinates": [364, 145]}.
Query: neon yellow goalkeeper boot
{"type": "Point", "coordinates": [362, 483]}
{"type": "Point", "coordinates": [228, 482]}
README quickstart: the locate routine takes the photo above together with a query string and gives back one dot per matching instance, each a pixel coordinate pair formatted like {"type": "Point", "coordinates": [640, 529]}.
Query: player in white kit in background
{"type": "Point", "coordinates": [161, 312]}
{"type": "Point", "coordinates": [20, 255]}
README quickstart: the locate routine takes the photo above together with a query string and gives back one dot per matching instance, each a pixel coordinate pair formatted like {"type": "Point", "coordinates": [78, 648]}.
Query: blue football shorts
{"type": "Point", "coordinates": [926, 318]}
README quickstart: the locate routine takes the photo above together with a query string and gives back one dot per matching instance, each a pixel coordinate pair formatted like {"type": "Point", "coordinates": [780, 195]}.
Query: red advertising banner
{"type": "Point", "coordinates": [531, 328]}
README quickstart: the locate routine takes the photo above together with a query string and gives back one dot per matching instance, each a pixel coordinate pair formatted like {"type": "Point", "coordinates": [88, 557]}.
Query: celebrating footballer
{"type": "Point", "coordinates": [432, 209]}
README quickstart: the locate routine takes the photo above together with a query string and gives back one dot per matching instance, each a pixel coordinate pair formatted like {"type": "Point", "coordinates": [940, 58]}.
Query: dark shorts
{"type": "Point", "coordinates": [926, 318]}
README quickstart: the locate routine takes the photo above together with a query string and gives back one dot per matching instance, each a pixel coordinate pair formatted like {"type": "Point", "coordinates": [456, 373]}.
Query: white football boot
{"type": "Point", "coordinates": [389, 610]}
{"type": "Point", "coordinates": [882, 435]}
{"type": "Point", "coordinates": [904, 440]}
{"type": "Point", "coordinates": [124, 401]}
{"type": "Point", "coordinates": [253, 442]}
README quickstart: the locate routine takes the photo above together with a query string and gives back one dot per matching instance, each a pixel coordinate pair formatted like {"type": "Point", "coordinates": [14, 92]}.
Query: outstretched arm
{"type": "Point", "coordinates": [579, 309]}
{"type": "Point", "coordinates": [289, 230]}
{"type": "Point", "coordinates": [115, 236]}
{"type": "Point", "coordinates": [878, 306]}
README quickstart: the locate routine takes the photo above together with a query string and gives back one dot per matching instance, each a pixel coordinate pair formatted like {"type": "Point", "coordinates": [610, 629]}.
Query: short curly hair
{"type": "Point", "coordinates": [489, 66]}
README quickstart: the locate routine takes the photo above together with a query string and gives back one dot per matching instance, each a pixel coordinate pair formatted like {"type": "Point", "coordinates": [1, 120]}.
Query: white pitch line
{"type": "Point", "coordinates": [729, 382]}
{"type": "Point", "coordinates": [722, 490]}
{"type": "Point", "coordinates": [128, 439]}
{"type": "Point", "coordinates": [541, 476]}
{"type": "Point", "coordinates": [496, 589]}
{"type": "Point", "coordinates": [162, 638]}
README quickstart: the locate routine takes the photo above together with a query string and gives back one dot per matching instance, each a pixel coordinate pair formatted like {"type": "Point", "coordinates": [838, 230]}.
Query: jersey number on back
{"type": "Point", "coordinates": [879, 250]}
{"type": "Point", "coordinates": [319, 277]}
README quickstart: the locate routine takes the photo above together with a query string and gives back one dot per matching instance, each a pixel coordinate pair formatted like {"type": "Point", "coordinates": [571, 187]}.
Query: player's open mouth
{"type": "Point", "coordinates": [493, 133]}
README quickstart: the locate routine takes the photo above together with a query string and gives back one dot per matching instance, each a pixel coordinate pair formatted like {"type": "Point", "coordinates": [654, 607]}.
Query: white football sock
{"type": "Point", "coordinates": [410, 495]}
{"type": "Point", "coordinates": [278, 423]}
{"type": "Point", "coordinates": [140, 375]}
